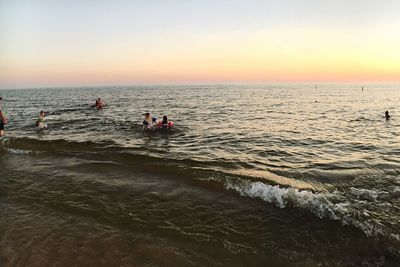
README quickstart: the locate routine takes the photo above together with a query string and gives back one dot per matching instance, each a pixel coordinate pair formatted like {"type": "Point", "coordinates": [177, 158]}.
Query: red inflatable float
{"type": "Point", "coordinates": [163, 125]}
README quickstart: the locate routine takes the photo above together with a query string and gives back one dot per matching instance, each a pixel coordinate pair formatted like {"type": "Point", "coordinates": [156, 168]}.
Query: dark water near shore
{"type": "Point", "coordinates": [266, 175]}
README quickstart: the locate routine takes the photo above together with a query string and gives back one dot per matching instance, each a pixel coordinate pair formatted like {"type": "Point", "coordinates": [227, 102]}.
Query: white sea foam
{"type": "Point", "coordinates": [324, 205]}
{"type": "Point", "coordinates": [18, 151]}
{"type": "Point", "coordinates": [367, 193]}
{"type": "Point", "coordinates": [318, 203]}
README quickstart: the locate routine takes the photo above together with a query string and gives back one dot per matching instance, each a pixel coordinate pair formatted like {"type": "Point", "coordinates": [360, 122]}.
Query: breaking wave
{"type": "Point", "coordinates": [334, 206]}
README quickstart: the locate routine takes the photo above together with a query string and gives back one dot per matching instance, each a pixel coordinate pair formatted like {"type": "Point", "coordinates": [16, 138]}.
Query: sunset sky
{"type": "Point", "coordinates": [120, 42]}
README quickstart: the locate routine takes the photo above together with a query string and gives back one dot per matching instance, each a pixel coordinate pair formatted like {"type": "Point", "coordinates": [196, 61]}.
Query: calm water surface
{"type": "Point", "coordinates": [252, 175]}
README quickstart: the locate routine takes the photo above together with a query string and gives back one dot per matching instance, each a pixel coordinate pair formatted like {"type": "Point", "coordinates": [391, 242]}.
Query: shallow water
{"type": "Point", "coordinates": [252, 175]}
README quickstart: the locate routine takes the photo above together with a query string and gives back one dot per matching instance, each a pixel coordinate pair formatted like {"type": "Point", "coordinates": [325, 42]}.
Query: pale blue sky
{"type": "Point", "coordinates": [48, 17]}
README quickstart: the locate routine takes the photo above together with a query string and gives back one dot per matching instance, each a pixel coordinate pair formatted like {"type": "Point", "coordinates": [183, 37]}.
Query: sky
{"type": "Point", "coordinates": [122, 42]}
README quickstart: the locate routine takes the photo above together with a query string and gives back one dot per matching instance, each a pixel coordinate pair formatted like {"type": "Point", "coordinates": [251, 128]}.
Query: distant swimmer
{"type": "Point", "coordinates": [149, 122]}
{"type": "Point", "coordinates": [165, 123]}
{"type": "Point", "coordinates": [99, 104]}
{"type": "Point", "coordinates": [3, 119]}
{"type": "Point", "coordinates": [387, 116]}
{"type": "Point", "coordinates": [40, 122]}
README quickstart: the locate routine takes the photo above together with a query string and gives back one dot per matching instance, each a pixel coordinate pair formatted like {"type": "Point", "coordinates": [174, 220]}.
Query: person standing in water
{"type": "Point", "coordinates": [387, 116]}
{"type": "Point", "coordinates": [99, 103]}
{"type": "Point", "coordinates": [40, 123]}
{"type": "Point", "coordinates": [3, 119]}
{"type": "Point", "coordinates": [149, 122]}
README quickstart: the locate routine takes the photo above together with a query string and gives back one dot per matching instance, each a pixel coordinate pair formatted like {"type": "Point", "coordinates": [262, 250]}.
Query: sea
{"type": "Point", "coordinates": [251, 175]}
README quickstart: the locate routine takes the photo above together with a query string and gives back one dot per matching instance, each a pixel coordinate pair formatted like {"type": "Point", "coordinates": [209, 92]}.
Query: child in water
{"type": "Point", "coordinates": [40, 122]}
{"type": "Point", "coordinates": [165, 124]}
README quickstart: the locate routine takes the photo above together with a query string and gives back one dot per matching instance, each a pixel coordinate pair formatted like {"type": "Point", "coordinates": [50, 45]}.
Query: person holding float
{"type": "Point", "coordinates": [151, 123]}
{"type": "Point", "coordinates": [165, 123]}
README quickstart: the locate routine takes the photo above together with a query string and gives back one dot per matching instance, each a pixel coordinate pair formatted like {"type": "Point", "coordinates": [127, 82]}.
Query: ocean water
{"type": "Point", "coordinates": [252, 175]}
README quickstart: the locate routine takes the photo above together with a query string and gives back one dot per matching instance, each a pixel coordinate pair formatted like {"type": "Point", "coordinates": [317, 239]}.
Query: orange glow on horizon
{"type": "Point", "coordinates": [284, 55]}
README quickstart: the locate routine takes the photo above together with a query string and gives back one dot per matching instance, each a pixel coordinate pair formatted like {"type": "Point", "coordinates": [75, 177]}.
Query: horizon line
{"type": "Point", "coordinates": [362, 83]}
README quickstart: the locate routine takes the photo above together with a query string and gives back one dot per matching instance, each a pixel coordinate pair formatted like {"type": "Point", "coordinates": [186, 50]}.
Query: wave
{"type": "Point", "coordinates": [334, 206]}
{"type": "Point", "coordinates": [346, 207]}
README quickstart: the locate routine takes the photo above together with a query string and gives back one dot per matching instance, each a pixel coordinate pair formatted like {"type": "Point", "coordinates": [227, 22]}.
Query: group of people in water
{"type": "Point", "coordinates": [149, 122]}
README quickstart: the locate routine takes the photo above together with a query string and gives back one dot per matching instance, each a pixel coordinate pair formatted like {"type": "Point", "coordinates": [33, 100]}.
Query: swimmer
{"type": "Point", "coordinates": [165, 124]}
{"type": "Point", "coordinates": [165, 121]}
{"type": "Point", "coordinates": [40, 122]}
{"type": "Point", "coordinates": [99, 103]}
{"type": "Point", "coordinates": [3, 119]}
{"type": "Point", "coordinates": [387, 116]}
{"type": "Point", "coordinates": [149, 122]}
